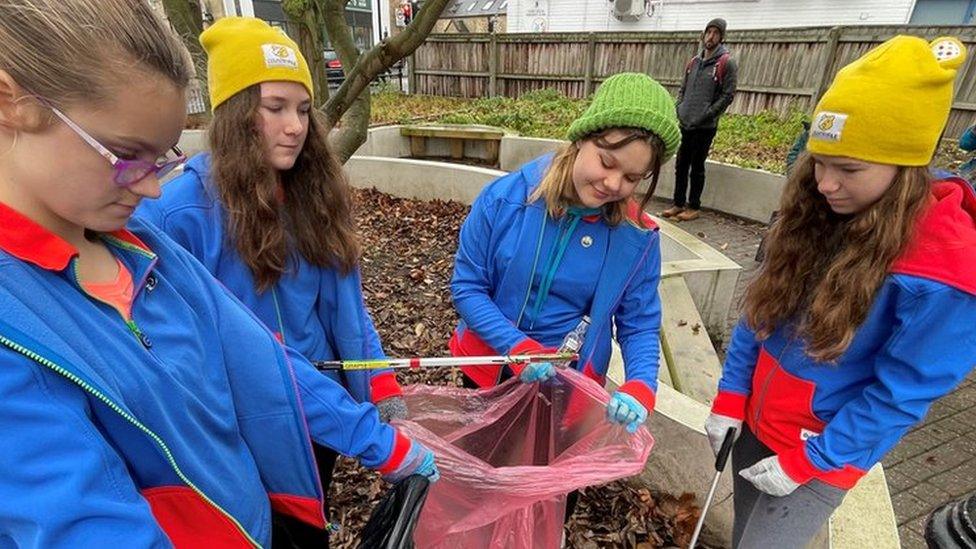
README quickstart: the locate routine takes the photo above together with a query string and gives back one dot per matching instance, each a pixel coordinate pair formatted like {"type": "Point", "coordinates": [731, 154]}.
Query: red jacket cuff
{"type": "Point", "coordinates": [384, 386]}
{"type": "Point", "coordinates": [401, 447]}
{"type": "Point", "coordinates": [641, 391]}
{"type": "Point", "coordinates": [527, 346]}
{"type": "Point", "coordinates": [730, 404]}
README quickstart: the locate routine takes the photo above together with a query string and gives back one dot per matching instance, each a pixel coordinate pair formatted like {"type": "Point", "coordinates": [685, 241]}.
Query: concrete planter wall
{"type": "Point", "coordinates": [751, 194]}
{"type": "Point", "coordinates": [711, 277]}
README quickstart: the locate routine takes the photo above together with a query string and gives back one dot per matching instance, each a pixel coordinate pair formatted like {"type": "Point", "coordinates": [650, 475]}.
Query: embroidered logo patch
{"type": "Point", "coordinates": [806, 434]}
{"type": "Point", "coordinates": [276, 55]}
{"type": "Point", "coordinates": [946, 49]}
{"type": "Point", "coordinates": [829, 126]}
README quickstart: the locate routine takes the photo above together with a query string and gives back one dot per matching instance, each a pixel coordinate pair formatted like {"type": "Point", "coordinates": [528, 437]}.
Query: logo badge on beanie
{"type": "Point", "coordinates": [277, 55]}
{"type": "Point", "coordinates": [946, 49]}
{"type": "Point", "coordinates": [828, 126]}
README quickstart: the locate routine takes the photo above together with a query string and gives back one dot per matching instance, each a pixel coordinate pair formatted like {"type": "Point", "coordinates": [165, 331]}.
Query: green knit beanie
{"type": "Point", "coordinates": [631, 100]}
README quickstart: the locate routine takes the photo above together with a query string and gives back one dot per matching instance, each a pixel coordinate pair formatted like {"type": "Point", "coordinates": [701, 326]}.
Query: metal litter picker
{"type": "Point", "coordinates": [720, 460]}
{"type": "Point", "coordinates": [441, 362]}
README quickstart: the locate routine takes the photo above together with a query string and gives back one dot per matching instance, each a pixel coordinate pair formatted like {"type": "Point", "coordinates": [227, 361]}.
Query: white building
{"type": "Point", "coordinates": [670, 15]}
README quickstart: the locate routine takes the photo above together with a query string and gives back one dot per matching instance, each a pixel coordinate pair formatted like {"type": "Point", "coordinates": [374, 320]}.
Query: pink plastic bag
{"type": "Point", "coordinates": [509, 455]}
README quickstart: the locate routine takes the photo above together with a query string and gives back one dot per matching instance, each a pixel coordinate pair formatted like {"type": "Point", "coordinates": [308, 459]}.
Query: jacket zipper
{"type": "Point", "coordinates": [616, 302]}
{"type": "Point", "coordinates": [762, 394]}
{"type": "Point", "coordinates": [133, 421]}
{"type": "Point", "coordinates": [769, 378]}
{"type": "Point", "coordinates": [129, 322]}
{"type": "Point", "coordinates": [137, 332]}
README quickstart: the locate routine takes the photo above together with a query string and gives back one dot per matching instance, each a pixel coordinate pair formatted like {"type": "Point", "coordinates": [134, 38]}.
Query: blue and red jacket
{"type": "Point", "coordinates": [183, 426]}
{"type": "Point", "coordinates": [608, 273]}
{"type": "Point", "coordinates": [834, 421]}
{"type": "Point", "coordinates": [317, 311]}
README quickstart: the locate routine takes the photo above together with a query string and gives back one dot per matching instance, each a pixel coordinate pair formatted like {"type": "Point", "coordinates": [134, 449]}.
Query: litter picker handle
{"type": "Point", "coordinates": [720, 460]}
{"type": "Point", "coordinates": [723, 454]}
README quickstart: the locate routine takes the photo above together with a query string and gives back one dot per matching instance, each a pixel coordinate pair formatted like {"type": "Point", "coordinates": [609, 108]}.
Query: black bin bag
{"type": "Point", "coordinates": [391, 524]}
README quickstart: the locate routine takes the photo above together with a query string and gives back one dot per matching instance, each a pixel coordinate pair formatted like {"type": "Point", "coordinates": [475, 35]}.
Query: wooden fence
{"type": "Point", "coordinates": [779, 69]}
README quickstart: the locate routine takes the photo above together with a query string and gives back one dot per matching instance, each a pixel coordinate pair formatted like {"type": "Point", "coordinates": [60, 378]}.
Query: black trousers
{"type": "Point", "coordinates": [291, 533]}
{"type": "Point", "coordinates": [691, 157]}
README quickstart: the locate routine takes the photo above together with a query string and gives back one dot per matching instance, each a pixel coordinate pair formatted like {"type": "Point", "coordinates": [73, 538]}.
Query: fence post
{"type": "Point", "coordinates": [833, 40]}
{"type": "Point", "coordinates": [590, 62]}
{"type": "Point", "coordinates": [412, 74]}
{"type": "Point", "coordinates": [493, 66]}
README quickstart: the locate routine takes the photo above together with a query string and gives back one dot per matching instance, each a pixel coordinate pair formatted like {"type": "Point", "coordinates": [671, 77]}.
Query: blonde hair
{"type": "Point", "coordinates": [73, 51]}
{"type": "Point", "coordinates": [558, 191]}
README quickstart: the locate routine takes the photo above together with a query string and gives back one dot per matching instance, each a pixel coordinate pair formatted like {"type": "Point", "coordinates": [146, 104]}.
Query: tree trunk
{"type": "Point", "coordinates": [307, 16]}
{"type": "Point", "coordinates": [186, 17]}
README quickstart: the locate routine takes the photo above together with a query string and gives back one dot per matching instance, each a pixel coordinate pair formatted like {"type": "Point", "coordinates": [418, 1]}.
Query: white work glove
{"type": "Point", "coordinates": [768, 476]}
{"type": "Point", "coordinates": [716, 426]}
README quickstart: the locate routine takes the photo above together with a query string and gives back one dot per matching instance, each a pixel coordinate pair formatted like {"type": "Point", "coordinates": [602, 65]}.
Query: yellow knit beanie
{"type": "Point", "coordinates": [891, 105]}
{"type": "Point", "coordinates": [243, 51]}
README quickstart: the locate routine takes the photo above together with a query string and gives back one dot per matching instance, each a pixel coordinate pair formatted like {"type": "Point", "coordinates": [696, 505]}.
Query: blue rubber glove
{"type": "Point", "coordinates": [419, 461]}
{"type": "Point", "coordinates": [625, 410]}
{"type": "Point", "coordinates": [537, 371]}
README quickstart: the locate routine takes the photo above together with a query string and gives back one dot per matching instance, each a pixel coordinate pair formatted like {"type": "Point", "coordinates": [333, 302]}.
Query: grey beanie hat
{"type": "Point", "coordinates": [719, 24]}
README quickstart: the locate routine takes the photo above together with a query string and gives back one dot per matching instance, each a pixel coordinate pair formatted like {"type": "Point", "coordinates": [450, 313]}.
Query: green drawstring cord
{"type": "Point", "coordinates": [573, 216]}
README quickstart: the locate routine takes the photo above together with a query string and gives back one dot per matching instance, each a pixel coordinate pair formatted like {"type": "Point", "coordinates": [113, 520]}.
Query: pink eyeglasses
{"type": "Point", "coordinates": [127, 172]}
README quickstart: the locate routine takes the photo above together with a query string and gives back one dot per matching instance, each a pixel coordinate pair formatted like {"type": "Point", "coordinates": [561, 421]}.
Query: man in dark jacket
{"type": "Point", "coordinates": [706, 92]}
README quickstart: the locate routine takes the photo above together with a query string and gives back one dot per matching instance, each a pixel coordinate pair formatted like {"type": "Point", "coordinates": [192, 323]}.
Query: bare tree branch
{"type": "Point", "coordinates": [352, 132]}
{"type": "Point", "coordinates": [348, 109]}
{"type": "Point", "coordinates": [381, 57]}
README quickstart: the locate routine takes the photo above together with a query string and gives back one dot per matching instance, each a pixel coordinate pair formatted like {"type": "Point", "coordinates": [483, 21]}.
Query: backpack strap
{"type": "Point", "coordinates": [691, 63]}
{"type": "Point", "coordinates": [723, 60]}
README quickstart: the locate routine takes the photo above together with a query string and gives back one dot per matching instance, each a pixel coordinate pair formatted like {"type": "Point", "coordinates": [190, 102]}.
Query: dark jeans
{"type": "Point", "coordinates": [691, 156]}
{"type": "Point", "coordinates": [291, 533]}
{"type": "Point", "coordinates": [762, 520]}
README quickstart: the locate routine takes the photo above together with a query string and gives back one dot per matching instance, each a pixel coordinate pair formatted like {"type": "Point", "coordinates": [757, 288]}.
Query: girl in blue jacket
{"type": "Point", "coordinates": [139, 400]}
{"type": "Point", "coordinates": [561, 238]}
{"type": "Point", "coordinates": [862, 313]}
{"type": "Point", "coordinates": [268, 213]}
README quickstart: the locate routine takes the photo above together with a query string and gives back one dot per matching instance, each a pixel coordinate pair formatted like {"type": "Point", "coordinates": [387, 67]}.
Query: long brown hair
{"type": "Point", "coordinates": [315, 219]}
{"type": "Point", "coordinates": [823, 269]}
{"type": "Point", "coordinates": [558, 191]}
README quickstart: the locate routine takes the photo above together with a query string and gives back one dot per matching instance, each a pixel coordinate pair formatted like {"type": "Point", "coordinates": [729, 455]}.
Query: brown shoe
{"type": "Point", "coordinates": [688, 215]}
{"type": "Point", "coordinates": [672, 211]}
